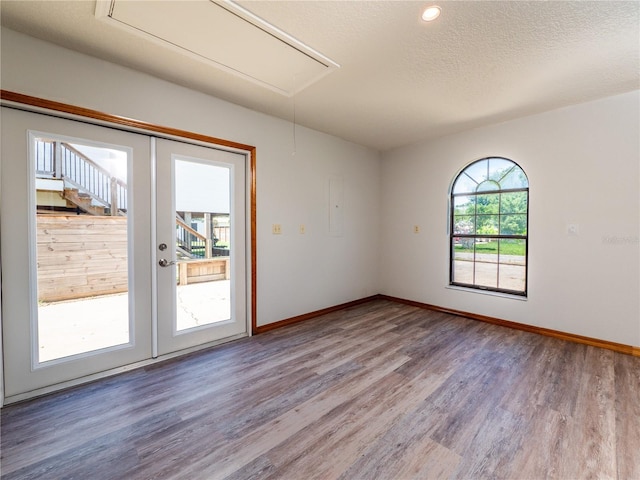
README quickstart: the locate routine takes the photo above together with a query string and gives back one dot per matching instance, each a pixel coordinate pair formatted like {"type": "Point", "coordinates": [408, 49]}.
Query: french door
{"type": "Point", "coordinates": [116, 248]}
{"type": "Point", "coordinates": [200, 245]}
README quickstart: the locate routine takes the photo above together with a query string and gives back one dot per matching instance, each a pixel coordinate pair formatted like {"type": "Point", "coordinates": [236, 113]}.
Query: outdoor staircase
{"type": "Point", "coordinates": [85, 184]}
{"type": "Point", "coordinates": [182, 254]}
{"type": "Point", "coordinates": [83, 201]}
{"type": "Point", "coordinates": [190, 243]}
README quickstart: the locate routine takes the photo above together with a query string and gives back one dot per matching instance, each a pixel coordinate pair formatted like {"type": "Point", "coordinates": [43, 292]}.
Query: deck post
{"type": "Point", "coordinates": [208, 233]}
{"type": "Point", "coordinates": [114, 196]}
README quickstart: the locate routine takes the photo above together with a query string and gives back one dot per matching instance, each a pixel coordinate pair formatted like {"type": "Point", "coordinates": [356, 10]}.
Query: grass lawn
{"type": "Point", "coordinates": [507, 248]}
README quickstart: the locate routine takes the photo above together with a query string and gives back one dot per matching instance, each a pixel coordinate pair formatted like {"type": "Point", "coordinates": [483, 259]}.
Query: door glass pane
{"type": "Point", "coordinates": [81, 248]}
{"type": "Point", "coordinates": [203, 243]}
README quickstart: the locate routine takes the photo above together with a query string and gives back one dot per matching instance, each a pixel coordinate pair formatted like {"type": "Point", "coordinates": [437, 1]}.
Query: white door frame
{"type": "Point", "coordinates": [38, 105]}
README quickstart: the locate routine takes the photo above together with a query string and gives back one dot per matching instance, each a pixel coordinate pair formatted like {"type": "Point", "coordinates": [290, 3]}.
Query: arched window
{"type": "Point", "coordinates": [489, 220]}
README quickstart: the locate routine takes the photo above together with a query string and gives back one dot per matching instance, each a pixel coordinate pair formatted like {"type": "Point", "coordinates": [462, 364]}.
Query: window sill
{"type": "Point", "coordinates": [487, 292]}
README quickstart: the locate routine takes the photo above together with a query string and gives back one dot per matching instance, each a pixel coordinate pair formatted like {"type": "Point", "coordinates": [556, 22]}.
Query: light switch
{"type": "Point", "coordinates": [302, 229]}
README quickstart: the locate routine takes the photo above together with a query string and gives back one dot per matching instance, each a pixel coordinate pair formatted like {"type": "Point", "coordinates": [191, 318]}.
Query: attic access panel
{"type": "Point", "coordinates": [225, 35]}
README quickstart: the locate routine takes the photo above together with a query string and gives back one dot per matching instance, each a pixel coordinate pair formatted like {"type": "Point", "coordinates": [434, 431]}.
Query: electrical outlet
{"type": "Point", "coordinates": [276, 229]}
{"type": "Point", "coordinates": [573, 229]}
{"type": "Point", "coordinates": [302, 229]}
{"type": "Point", "coordinates": [416, 229]}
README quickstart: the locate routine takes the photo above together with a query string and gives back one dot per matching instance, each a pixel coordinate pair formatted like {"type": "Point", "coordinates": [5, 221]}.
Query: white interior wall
{"type": "Point", "coordinates": [583, 164]}
{"type": "Point", "coordinates": [297, 273]}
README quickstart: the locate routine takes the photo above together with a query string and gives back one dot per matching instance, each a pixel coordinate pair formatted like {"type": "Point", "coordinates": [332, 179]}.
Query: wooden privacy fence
{"type": "Point", "coordinates": [81, 256]}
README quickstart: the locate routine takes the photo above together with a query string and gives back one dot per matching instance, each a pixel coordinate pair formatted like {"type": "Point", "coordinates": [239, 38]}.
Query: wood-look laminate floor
{"type": "Point", "coordinates": [377, 391]}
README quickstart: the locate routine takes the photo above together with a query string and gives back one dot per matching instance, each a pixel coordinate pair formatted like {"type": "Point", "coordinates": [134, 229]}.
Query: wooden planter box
{"type": "Point", "coordinates": [203, 270]}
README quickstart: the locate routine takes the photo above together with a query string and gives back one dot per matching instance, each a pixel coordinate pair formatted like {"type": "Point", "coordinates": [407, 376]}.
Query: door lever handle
{"type": "Point", "coordinates": [165, 263]}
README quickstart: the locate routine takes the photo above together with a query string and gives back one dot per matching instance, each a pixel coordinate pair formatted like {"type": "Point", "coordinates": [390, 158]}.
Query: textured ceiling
{"type": "Point", "coordinates": [400, 80]}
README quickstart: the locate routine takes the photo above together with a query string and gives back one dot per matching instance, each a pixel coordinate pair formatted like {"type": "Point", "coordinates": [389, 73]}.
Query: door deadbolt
{"type": "Point", "coordinates": [162, 247]}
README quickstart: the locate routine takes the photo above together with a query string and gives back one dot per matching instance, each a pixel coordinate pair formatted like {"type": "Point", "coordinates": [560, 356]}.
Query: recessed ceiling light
{"type": "Point", "coordinates": [431, 13]}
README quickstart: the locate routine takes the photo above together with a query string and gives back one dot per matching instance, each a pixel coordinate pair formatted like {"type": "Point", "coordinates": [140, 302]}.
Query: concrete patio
{"type": "Point", "coordinates": [75, 326]}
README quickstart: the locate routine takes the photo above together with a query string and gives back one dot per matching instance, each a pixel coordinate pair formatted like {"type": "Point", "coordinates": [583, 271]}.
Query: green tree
{"type": "Point", "coordinates": [509, 210]}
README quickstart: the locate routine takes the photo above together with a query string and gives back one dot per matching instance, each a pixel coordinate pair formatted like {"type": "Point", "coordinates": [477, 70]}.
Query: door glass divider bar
{"type": "Point", "coordinates": [32, 274]}
{"type": "Point", "coordinates": [154, 246]}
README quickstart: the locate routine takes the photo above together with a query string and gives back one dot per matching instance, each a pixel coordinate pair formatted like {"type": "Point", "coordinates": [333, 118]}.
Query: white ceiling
{"type": "Point", "coordinates": [400, 80]}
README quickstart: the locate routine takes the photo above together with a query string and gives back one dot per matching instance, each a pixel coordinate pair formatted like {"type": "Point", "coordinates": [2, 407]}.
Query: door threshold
{"type": "Point", "coordinates": [114, 371]}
